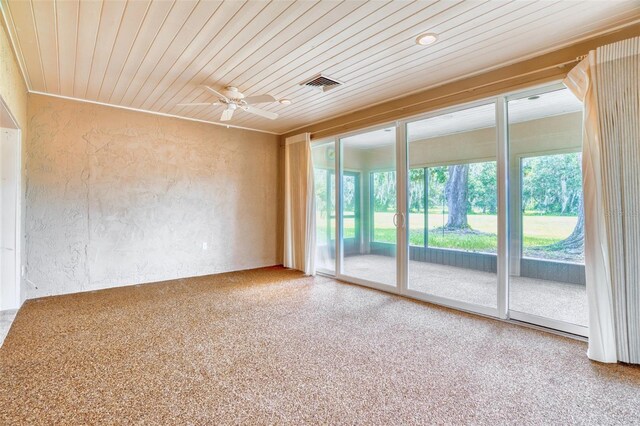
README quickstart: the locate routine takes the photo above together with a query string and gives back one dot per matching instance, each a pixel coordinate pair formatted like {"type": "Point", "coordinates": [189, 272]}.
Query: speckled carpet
{"type": "Point", "coordinates": [270, 346]}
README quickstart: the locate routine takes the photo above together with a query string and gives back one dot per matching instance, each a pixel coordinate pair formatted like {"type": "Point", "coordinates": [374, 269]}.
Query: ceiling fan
{"type": "Point", "coordinates": [233, 99]}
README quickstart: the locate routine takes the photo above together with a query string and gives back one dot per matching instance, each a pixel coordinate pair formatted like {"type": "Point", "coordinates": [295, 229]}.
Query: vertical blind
{"type": "Point", "coordinates": [618, 97]}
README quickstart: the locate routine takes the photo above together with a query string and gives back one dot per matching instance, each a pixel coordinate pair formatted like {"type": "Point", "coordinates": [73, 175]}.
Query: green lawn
{"type": "Point", "coordinates": [538, 230]}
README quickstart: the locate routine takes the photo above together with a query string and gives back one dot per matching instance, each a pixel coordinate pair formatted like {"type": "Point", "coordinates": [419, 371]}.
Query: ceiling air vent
{"type": "Point", "coordinates": [321, 82]}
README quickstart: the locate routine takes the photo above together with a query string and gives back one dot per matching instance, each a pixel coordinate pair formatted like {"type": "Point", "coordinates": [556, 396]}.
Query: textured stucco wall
{"type": "Point", "coordinates": [116, 197]}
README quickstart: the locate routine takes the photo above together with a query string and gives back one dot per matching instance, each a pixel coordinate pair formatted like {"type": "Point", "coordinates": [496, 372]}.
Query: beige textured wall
{"type": "Point", "coordinates": [116, 197]}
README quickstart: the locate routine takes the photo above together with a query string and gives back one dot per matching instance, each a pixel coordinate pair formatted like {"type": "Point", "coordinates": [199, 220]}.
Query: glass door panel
{"type": "Point", "coordinates": [323, 155]}
{"type": "Point", "coordinates": [369, 206]}
{"type": "Point", "coordinates": [452, 206]}
{"type": "Point", "coordinates": [351, 210]}
{"type": "Point", "coordinates": [546, 249]}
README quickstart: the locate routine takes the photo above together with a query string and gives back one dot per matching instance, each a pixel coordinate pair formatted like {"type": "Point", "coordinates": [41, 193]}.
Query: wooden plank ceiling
{"type": "Point", "coordinates": [152, 55]}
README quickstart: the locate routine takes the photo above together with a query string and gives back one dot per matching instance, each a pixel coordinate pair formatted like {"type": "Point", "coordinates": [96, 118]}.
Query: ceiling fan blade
{"type": "Point", "coordinates": [226, 115]}
{"type": "Point", "coordinates": [261, 112]}
{"type": "Point", "coordinates": [199, 104]}
{"type": "Point", "coordinates": [260, 99]}
{"type": "Point", "coordinates": [215, 92]}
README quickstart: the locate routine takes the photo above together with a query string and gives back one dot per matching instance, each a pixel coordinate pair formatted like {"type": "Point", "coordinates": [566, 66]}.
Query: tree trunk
{"type": "Point", "coordinates": [456, 194]}
{"type": "Point", "coordinates": [578, 231]}
{"type": "Point", "coordinates": [574, 243]}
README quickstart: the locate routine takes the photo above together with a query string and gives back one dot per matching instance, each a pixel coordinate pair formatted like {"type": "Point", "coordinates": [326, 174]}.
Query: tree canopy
{"type": "Point", "coordinates": [552, 184]}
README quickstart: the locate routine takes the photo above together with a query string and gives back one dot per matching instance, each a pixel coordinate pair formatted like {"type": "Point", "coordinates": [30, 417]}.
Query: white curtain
{"type": "Point", "coordinates": [299, 205]}
{"type": "Point", "coordinates": [607, 82]}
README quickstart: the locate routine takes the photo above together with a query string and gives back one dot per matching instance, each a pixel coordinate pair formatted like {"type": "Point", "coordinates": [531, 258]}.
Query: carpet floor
{"type": "Point", "coordinates": [270, 346]}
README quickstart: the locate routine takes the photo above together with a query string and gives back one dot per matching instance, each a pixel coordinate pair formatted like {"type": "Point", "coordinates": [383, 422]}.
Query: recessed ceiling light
{"type": "Point", "coordinates": [426, 39]}
{"type": "Point", "coordinates": [285, 101]}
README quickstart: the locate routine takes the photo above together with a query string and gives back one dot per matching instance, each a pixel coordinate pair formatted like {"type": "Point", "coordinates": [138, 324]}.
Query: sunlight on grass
{"type": "Point", "coordinates": [538, 230]}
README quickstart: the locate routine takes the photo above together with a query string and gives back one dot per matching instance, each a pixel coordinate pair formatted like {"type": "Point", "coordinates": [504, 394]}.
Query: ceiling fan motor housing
{"type": "Point", "coordinates": [233, 93]}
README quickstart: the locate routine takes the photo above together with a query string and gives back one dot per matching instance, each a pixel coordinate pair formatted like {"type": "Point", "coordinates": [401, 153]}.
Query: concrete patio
{"type": "Point", "coordinates": [550, 299]}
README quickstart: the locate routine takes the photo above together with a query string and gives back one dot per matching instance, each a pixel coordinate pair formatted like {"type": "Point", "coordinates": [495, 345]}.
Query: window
{"type": "Point", "coordinates": [323, 155]}
{"type": "Point", "coordinates": [351, 200]}
{"type": "Point", "coordinates": [552, 216]}
{"type": "Point", "coordinates": [452, 205]}
{"type": "Point", "coordinates": [468, 190]}
{"type": "Point", "coordinates": [418, 203]}
{"type": "Point", "coordinates": [546, 250]}
{"type": "Point", "coordinates": [383, 204]}
{"type": "Point", "coordinates": [368, 167]}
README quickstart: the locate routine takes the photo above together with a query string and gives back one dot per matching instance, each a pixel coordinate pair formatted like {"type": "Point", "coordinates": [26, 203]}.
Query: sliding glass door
{"type": "Point", "coordinates": [368, 208]}
{"type": "Point", "coordinates": [452, 207]}
{"type": "Point", "coordinates": [477, 207]}
{"type": "Point", "coordinates": [546, 251]}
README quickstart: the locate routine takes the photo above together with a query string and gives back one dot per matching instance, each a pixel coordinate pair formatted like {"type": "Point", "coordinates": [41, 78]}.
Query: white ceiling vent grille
{"type": "Point", "coordinates": [321, 82]}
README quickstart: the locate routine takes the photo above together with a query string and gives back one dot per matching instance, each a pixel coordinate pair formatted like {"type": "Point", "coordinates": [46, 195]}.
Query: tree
{"type": "Point", "coordinates": [456, 190]}
{"type": "Point", "coordinates": [384, 191]}
{"type": "Point", "coordinates": [437, 178]}
{"type": "Point", "coordinates": [574, 243]}
{"type": "Point", "coordinates": [349, 193]}
{"type": "Point", "coordinates": [416, 190]}
{"type": "Point", "coordinates": [482, 187]}
{"type": "Point", "coordinates": [320, 184]}
{"type": "Point", "coordinates": [551, 184]}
